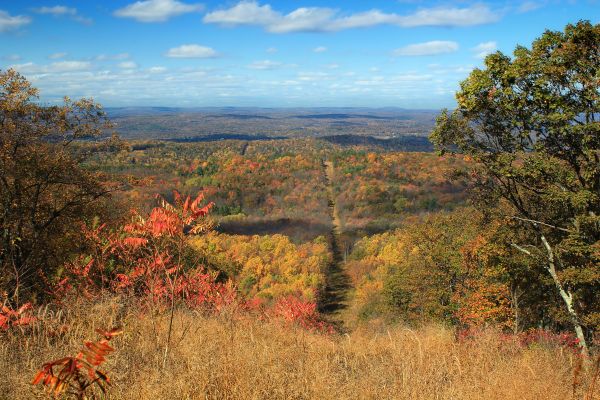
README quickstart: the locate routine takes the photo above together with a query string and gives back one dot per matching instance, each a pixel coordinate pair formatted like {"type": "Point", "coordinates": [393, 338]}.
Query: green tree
{"type": "Point", "coordinates": [531, 122]}
{"type": "Point", "coordinates": [44, 191]}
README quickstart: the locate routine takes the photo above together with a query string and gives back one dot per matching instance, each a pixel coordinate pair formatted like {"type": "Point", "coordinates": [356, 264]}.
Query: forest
{"type": "Point", "coordinates": [310, 266]}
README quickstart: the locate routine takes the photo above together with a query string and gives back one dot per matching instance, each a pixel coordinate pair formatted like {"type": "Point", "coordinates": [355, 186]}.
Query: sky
{"type": "Point", "coordinates": [267, 53]}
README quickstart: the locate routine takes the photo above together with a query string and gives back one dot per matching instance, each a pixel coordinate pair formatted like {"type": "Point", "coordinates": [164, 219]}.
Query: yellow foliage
{"type": "Point", "coordinates": [269, 266]}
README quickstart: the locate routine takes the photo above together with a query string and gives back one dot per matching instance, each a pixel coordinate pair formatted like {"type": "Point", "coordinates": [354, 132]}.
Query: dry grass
{"type": "Point", "coordinates": [241, 358]}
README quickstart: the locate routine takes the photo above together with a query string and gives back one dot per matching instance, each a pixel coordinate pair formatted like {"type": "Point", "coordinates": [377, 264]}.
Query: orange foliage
{"type": "Point", "coordinates": [21, 317]}
{"type": "Point", "coordinates": [440, 268]}
{"type": "Point", "coordinates": [380, 189]}
{"type": "Point", "coordinates": [301, 312]}
{"type": "Point", "coordinates": [144, 257]}
{"type": "Point", "coordinates": [77, 375]}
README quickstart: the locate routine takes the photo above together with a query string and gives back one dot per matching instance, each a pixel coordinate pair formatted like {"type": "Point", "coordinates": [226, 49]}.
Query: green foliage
{"type": "Point", "coordinates": [417, 273]}
{"type": "Point", "coordinates": [531, 122]}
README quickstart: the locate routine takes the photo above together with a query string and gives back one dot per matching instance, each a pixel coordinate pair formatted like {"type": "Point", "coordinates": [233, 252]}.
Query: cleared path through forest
{"type": "Point", "coordinates": [335, 295]}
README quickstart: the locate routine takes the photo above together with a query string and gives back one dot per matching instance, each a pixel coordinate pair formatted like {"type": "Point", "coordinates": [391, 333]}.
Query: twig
{"type": "Point", "coordinates": [542, 223]}
{"type": "Point", "coordinates": [521, 249]}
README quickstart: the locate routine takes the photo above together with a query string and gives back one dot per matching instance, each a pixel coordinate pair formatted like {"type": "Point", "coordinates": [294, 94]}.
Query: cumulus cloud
{"type": "Point", "coordinates": [320, 49]}
{"type": "Point", "coordinates": [478, 14]}
{"type": "Point", "coordinates": [127, 65]}
{"type": "Point", "coordinates": [66, 66]}
{"type": "Point", "coordinates": [11, 22]}
{"type": "Point", "coordinates": [191, 51]}
{"type": "Point", "coordinates": [485, 48]}
{"type": "Point", "coordinates": [156, 10]}
{"type": "Point", "coordinates": [55, 67]}
{"type": "Point", "coordinates": [265, 65]}
{"type": "Point", "coordinates": [60, 11]}
{"type": "Point", "coordinates": [244, 13]}
{"type": "Point", "coordinates": [193, 86]}
{"type": "Point", "coordinates": [56, 10]}
{"type": "Point", "coordinates": [322, 19]}
{"type": "Point", "coordinates": [427, 48]}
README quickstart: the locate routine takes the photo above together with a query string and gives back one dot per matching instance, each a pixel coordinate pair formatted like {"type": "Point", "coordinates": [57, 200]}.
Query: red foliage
{"type": "Point", "coordinates": [146, 258]}
{"type": "Point", "coordinates": [545, 337]}
{"type": "Point", "coordinates": [297, 311]}
{"type": "Point", "coordinates": [199, 290]}
{"type": "Point", "coordinates": [77, 374]}
{"type": "Point", "coordinates": [11, 318]}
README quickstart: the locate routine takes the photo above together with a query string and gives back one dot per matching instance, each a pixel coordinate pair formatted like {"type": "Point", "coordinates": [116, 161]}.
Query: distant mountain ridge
{"type": "Point", "coordinates": [179, 122]}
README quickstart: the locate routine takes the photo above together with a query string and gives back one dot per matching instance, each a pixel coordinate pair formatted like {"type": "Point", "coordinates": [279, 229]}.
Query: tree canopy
{"type": "Point", "coordinates": [531, 122]}
{"type": "Point", "coordinates": [44, 190]}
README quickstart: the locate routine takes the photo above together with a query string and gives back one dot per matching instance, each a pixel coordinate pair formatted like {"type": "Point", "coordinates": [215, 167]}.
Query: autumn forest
{"type": "Point", "coordinates": [462, 262]}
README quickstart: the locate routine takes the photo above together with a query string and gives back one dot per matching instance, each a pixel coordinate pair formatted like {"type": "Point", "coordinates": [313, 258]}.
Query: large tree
{"type": "Point", "coordinates": [531, 122]}
{"type": "Point", "coordinates": [45, 193]}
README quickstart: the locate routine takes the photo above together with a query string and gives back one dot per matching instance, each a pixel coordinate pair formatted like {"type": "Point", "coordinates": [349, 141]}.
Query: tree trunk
{"type": "Point", "coordinates": [566, 295]}
{"type": "Point", "coordinates": [515, 295]}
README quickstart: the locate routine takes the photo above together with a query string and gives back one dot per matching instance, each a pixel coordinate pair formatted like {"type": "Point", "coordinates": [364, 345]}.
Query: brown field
{"type": "Point", "coordinates": [225, 357]}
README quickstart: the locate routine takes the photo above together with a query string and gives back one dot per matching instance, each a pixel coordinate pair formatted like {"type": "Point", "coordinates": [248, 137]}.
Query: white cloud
{"type": "Point", "coordinates": [528, 6]}
{"type": "Point", "coordinates": [9, 22]}
{"type": "Point", "coordinates": [26, 68]}
{"type": "Point", "coordinates": [56, 10]}
{"type": "Point", "coordinates": [314, 76]}
{"type": "Point", "coordinates": [191, 51]}
{"type": "Point", "coordinates": [265, 65]}
{"type": "Point", "coordinates": [485, 48]}
{"type": "Point", "coordinates": [55, 67]}
{"type": "Point", "coordinates": [69, 66]}
{"type": "Point", "coordinates": [127, 65]}
{"type": "Point", "coordinates": [107, 57]}
{"type": "Point", "coordinates": [59, 11]}
{"type": "Point", "coordinates": [244, 13]}
{"type": "Point", "coordinates": [195, 86]}
{"type": "Point", "coordinates": [156, 10]}
{"type": "Point", "coordinates": [478, 14]}
{"type": "Point", "coordinates": [320, 49]}
{"type": "Point", "coordinates": [157, 70]}
{"type": "Point", "coordinates": [427, 49]}
{"type": "Point", "coordinates": [271, 50]}
{"type": "Point", "coordinates": [321, 19]}
{"type": "Point", "coordinates": [56, 56]}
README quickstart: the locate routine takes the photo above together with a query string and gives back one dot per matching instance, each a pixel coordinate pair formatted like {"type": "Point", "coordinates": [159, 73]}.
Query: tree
{"type": "Point", "coordinates": [532, 125]}
{"type": "Point", "coordinates": [44, 190]}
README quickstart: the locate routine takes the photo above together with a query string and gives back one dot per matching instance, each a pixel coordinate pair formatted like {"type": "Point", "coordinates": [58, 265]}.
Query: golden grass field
{"type": "Point", "coordinates": [240, 357]}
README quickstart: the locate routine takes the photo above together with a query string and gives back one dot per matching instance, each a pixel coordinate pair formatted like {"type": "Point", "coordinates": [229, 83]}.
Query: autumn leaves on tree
{"type": "Point", "coordinates": [44, 190]}
{"type": "Point", "coordinates": [504, 233]}
{"type": "Point", "coordinates": [532, 124]}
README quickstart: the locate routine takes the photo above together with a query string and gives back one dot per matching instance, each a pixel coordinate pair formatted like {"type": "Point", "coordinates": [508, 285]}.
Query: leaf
{"type": "Point", "coordinates": [38, 377]}
{"type": "Point", "coordinates": [111, 333]}
{"type": "Point", "coordinates": [135, 242]}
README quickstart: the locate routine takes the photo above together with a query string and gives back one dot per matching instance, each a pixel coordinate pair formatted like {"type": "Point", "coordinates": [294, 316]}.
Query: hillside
{"type": "Point", "coordinates": [181, 123]}
{"type": "Point", "coordinates": [292, 252]}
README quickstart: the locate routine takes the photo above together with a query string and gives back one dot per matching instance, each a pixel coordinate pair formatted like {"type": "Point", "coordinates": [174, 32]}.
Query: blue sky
{"type": "Point", "coordinates": [403, 53]}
